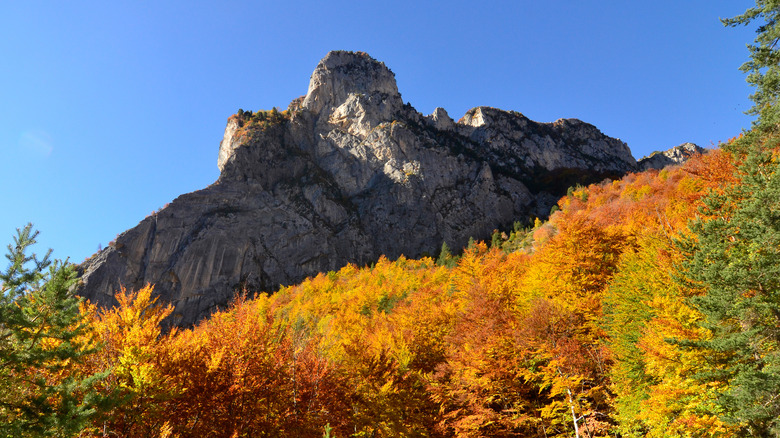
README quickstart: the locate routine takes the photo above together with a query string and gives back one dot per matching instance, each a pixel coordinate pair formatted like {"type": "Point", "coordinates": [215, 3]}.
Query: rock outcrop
{"type": "Point", "coordinates": [346, 174]}
{"type": "Point", "coordinates": [676, 155]}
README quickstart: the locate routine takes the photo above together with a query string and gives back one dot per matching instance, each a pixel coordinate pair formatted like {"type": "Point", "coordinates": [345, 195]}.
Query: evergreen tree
{"type": "Point", "coordinates": [733, 256]}
{"type": "Point", "coordinates": [445, 256]}
{"type": "Point", "coordinates": [495, 239]}
{"type": "Point", "coordinates": [763, 68]}
{"type": "Point", "coordinates": [734, 259]}
{"type": "Point", "coordinates": [41, 343]}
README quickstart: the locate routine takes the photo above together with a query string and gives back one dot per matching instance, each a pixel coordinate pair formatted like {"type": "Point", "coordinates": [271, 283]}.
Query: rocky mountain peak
{"type": "Point", "coordinates": [564, 144]}
{"type": "Point", "coordinates": [441, 120]}
{"type": "Point", "coordinates": [341, 74]}
{"type": "Point", "coordinates": [675, 155]}
{"type": "Point", "coordinates": [346, 175]}
{"type": "Point", "coordinates": [473, 117]}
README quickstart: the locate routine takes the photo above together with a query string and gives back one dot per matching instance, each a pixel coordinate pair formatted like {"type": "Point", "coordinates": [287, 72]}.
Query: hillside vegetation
{"type": "Point", "coordinates": [617, 316]}
{"type": "Point", "coordinates": [647, 306]}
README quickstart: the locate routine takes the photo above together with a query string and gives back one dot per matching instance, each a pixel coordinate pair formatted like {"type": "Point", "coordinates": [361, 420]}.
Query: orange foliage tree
{"type": "Point", "coordinates": [565, 334]}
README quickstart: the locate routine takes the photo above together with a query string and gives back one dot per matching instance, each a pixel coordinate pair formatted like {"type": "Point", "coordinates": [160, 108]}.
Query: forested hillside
{"type": "Point", "coordinates": [605, 319]}
{"type": "Point", "coordinates": [645, 306]}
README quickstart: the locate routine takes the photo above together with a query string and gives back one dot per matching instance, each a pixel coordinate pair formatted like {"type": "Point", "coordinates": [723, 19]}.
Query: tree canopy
{"type": "Point", "coordinates": [763, 68]}
{"type": "Point", "coordinates": [41, 342]}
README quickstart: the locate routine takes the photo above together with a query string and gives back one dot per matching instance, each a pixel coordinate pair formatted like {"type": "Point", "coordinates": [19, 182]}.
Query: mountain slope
{"type": "Point", "coordinates": [568, 325]}
{"type": "Point", "coordinates": [346, 174]}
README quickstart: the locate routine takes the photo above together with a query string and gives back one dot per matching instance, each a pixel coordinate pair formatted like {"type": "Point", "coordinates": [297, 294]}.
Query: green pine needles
{"type": "Point", "coordinates": [733, 255]}
{"type": "Point", "coordinates": [41, 344]}
{"type": "Point", "coordinates": [763, 68]}
{"type": "Point", "coordinates": [735, 260]}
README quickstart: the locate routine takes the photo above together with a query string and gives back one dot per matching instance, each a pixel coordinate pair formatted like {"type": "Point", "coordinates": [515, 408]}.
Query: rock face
{"type": "Point", "coordinates": [345, 175]}
{"type": "Point", "coordinates": [675, 155]}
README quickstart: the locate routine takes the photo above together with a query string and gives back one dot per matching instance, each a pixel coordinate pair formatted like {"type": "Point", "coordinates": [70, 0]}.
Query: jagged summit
{"type": "Point", "coordinates": [346, 175]}
{"type": "Point", "coordinates": [341, 75]}
{"type": "Point", "coordinates": [565, 143]}
{"type": "Point", "coordinates": [669, 157]}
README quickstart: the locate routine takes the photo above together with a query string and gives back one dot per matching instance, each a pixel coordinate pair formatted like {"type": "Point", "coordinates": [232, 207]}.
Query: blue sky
{"type": "Point", "coordinates": [109, 110]}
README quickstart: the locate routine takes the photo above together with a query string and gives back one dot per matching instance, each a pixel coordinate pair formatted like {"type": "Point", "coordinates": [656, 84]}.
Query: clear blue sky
{"type": "Point", "coordinates": [111, 109]}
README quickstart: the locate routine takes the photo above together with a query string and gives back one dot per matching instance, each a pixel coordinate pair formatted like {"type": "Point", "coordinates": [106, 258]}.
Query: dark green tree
{"type": "Point", "coordinates": [41, 343]}
{"type": "Point", "coordinates": [733, 256]}
{"type": "Point", "coordinates": [763, 68]}
{"type": "Point", "coordinates": [734, 259]}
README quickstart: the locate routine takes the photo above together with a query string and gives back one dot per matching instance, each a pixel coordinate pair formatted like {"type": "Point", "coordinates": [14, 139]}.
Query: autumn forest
{"type": "Point", "coordinates": [644, 306]}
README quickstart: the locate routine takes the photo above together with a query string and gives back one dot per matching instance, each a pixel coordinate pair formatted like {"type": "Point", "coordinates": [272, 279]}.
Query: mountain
{"type": "Point", "coordinates": [675, 155]}
{"type": "Point", "coordinates": [347, 173]}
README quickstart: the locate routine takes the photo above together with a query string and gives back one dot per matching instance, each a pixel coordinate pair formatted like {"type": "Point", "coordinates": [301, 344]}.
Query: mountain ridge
{"type": "Point", "coordinates": [344, 175]}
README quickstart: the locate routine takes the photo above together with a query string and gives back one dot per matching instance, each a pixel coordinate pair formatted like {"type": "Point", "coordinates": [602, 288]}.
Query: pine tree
{"type": "Point", "coordinates": [495, 240]}
{"type": "Point", "coordinates": [41, 342]}
{"type": "Point", "coordinates": [445, 257]}
{"type": "Point", "coordinates": [763, 68]}
{"type": "Point", "coordinates": [734, 258]}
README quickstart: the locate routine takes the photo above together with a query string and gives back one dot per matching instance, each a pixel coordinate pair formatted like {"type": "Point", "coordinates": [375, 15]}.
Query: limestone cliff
{"type": "Point", "coordinates": [346, 174]}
